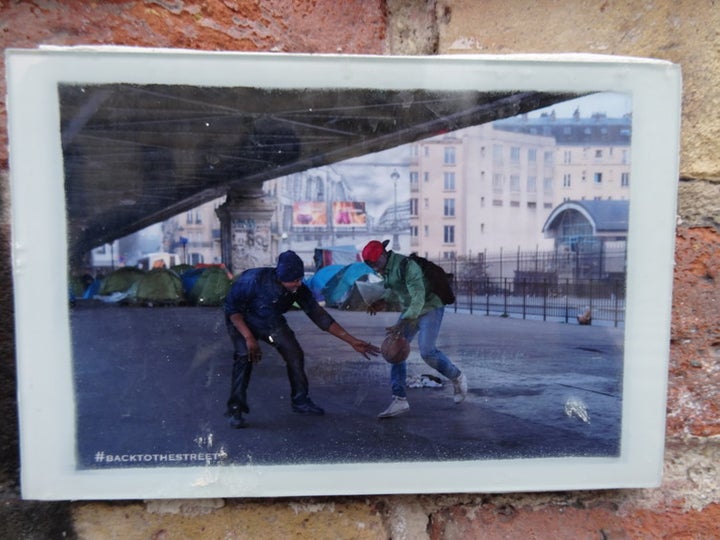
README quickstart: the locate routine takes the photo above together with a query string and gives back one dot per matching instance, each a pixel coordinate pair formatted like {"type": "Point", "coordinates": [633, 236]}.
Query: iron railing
{"type": "Point", "coordinates": [571, 301]}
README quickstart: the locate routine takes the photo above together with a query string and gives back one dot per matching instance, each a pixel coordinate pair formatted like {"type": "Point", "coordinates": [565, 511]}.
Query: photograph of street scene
{"type": "Point", "coordinates": [172, 192]}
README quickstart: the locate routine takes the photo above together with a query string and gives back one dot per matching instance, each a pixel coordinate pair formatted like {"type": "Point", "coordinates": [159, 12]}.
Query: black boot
{"type": "Point", "coordinates": [235, 419]}
{"type": "Point", "coordinates": [306, 406]}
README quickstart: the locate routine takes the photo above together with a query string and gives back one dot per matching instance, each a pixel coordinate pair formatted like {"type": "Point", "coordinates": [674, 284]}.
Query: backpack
{"type": "Point", "coordinates": [437, 278]}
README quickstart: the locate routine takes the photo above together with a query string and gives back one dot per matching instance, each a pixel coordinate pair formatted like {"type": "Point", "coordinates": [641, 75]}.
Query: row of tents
{"type": "Point", "coordinates": [180, 285]}
{"type": "Point", "coordinates": [351, 286]}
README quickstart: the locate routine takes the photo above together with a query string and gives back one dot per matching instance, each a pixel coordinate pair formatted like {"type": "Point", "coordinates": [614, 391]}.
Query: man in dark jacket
{"type": "Point", "coordinates": [254, 311]}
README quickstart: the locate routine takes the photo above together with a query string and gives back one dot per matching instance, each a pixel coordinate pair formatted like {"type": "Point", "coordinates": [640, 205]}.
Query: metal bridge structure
{"type": "Point", "coordinates": [134, 155]}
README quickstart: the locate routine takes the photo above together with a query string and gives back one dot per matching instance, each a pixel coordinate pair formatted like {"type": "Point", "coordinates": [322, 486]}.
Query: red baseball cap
{"type": "Point", "coordinates": [373, 250]}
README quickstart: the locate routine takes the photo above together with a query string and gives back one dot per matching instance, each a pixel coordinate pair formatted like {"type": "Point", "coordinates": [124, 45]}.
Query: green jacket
{"type": "Point", "coordinates": [410, 287]}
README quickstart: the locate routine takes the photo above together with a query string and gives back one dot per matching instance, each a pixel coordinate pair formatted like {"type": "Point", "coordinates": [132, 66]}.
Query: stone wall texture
{"type": "Point", "coordinates": [686, 506]}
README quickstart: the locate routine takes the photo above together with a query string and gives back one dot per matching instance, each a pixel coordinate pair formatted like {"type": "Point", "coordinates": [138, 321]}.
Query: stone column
{"type": "Point", "coordinates": [245, 234]}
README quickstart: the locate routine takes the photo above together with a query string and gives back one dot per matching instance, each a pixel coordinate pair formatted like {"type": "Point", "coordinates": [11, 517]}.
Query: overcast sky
{"type": "Point", "coordinates": [613, 104]}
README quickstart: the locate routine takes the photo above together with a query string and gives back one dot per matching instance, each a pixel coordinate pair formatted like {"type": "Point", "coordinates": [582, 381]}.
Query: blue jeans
{"type": "Point", "coordinates": [427, 330]}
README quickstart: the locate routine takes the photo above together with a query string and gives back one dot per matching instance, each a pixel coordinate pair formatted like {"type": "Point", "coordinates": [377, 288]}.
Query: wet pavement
{"type": "Point", "coordinates": [151, 386]}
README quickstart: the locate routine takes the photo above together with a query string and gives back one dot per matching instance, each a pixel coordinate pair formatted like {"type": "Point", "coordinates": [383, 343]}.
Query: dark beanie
{"type": "Point", "coordinates": [289, 267]}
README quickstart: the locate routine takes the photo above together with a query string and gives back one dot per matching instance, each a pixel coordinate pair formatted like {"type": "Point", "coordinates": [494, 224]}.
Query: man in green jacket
{"type": "Point", "coordinates": [422, 314]}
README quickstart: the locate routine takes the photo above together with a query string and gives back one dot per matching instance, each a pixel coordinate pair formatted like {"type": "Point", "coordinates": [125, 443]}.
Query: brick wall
{"type": "Point", "coordinates": [687, 505]}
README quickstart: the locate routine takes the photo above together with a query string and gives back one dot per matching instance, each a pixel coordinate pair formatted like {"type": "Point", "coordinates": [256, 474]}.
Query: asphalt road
{"type": "Point", "coordinates": [151, 386]}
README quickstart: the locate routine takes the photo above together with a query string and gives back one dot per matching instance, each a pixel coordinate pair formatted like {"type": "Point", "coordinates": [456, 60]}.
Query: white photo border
{"type": "Point", "coordinates": [45, 386]}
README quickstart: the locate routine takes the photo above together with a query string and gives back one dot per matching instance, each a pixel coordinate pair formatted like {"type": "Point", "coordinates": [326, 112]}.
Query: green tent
{"type": "Point", "coordinates": [210, 287]}
{"type": "Point", "coordinates": [180, 269]}
{"type": "Point", "coordinates": [120, 280]}
{"type": "Point", "coordinates": [159, 286]}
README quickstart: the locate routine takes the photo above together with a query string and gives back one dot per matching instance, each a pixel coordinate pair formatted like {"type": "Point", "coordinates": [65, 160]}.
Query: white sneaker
{"type": "Point", "coordinates": [398, 405]}
{"type": "Point", "coordinates": [460, 388]}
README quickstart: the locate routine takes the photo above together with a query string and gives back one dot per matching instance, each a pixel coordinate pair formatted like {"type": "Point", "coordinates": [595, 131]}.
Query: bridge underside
{"type": "Point", "coordinates": [135, 155]}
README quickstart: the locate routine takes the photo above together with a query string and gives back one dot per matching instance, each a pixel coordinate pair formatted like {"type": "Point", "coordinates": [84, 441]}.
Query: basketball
{"type": "Point", "coordinates": [395, 348]}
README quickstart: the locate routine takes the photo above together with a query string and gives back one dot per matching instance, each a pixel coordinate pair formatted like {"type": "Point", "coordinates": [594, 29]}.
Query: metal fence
{"type": "Point", "coordinates": [586, 301]}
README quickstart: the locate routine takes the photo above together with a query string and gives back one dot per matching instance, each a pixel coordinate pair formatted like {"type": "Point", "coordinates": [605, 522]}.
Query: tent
{"type": "Point", "coordinates": [93, 289]}
{"type": "Point", "coordinates": [206, 286]}
{"type": "Point", "coordinates": [120, 280]}
{"type": "Point", "coordinates": [343, 290]}
{"type": "Point", "coordinates": [159, 286]}
{"type": "Point", "coordinates": [181, 269]}
{"type": "Point", "coordinates": [342, 255]}
{"type": "Point", "coordinates": [320, 279]}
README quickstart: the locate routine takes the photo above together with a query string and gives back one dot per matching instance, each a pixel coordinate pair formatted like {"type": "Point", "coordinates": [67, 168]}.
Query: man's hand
{"type": "Point", "coordinates": [376, 306]}
{"type": "Point", "coordinates": [403, 326]}
{"type": "Point", "coordinates": [253, 348]}
{"type": "Point", "coordinates": [365, 348]}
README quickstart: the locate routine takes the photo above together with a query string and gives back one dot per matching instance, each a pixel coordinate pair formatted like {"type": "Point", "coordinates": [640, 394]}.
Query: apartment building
{"type": "Point", "coordinates": [490, 188]}
{"type": "Point", "coordinates": [592, 153]}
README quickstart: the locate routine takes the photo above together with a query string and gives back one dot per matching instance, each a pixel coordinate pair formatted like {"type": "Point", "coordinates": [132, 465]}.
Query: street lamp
{"type": "Point", "coordinates": [396, 241]}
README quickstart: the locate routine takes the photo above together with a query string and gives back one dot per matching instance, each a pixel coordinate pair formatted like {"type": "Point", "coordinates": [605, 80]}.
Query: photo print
{"type": "Point", "coordinates": [145, 182]}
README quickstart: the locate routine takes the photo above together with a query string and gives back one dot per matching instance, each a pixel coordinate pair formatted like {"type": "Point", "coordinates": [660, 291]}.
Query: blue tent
{"type": "Point", "coordinates": [341, 286]}
{"type": "Point", "coordinates": [319, 280]}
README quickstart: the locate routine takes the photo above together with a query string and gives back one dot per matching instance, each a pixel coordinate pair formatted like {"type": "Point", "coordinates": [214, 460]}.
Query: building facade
{"type": "Point", "coordinates": [490, 188]}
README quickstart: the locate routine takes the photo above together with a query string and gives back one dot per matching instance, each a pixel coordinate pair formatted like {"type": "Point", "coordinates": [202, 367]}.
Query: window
{"type": "Point", "coordinates": [531, 184]}
{"type": "Point", "coordinates": [567, 157]}
{"type": "Point", "coordinates": [449, 155]}
{"type": "Point", "coordinates": [497, 153]}
{"type": "Point", "coordinates": [193, 217]}
{"type": "Point", "coordinates": [413, 207]}
{"type": "Point", "coordinates": [567, 180]}
{"type": "Point", "coordinates": [449, 208]}
{"type": "Point", "coordinates": [449, 181]}
{"type": "Point", "coordinates": [548, 184]}
{"type": "Point", "coordinates": [514, 182]}
{"type": "Point", "coordinates": [426, 176]}
{"type": "Point", "coordinates": [426, 203]}
{"type": "Point", "coordinates": [515, 154]}
{"type": "Point", "coordinates": [597, 178]}
{"type": "Point", "coordinates": [497, 182]}
{"type": "Point", "coordinates": [426, 230]}
{"type": "Point", "coordinates": [548, 158]}
{"type": "Point", "coordinates": [532, 155]}
{"type": "Point", "coordinates": [413, 179]}
{"type": "Point", "coordinates": [449, 234]}
{"type": "Point", "coordinates": [413, 231]}
{"type": "Point", "coordinates": [625, 179]}
{"type": "Point", "coordinates": [598, 154]}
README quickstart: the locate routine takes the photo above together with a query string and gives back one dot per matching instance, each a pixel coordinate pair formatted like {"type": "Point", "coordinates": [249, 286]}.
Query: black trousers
{"type": "Point", "coordinates": [285, 342]}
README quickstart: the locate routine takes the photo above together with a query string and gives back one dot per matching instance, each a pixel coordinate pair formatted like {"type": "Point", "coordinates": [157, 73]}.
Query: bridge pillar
{"type": "Point", "coordinates": [245, 234]}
